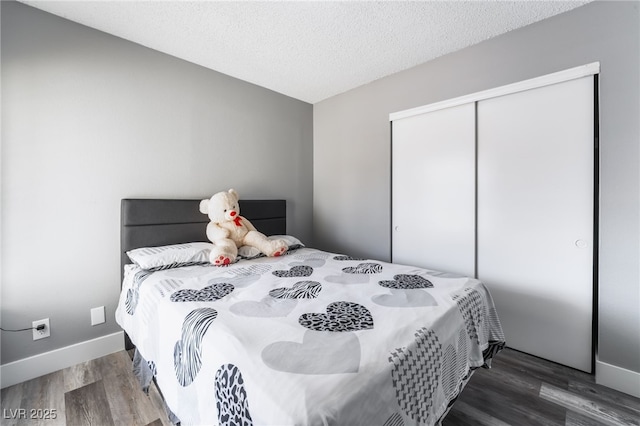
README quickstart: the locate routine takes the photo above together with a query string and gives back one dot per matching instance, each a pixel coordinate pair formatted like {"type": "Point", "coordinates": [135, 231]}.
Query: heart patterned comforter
{"type": "Point", "coordinates": [309, 338]}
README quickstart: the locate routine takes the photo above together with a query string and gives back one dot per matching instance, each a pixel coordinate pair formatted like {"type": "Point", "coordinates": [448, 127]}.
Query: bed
{"type": "Point", "coordinates": [308, 338]}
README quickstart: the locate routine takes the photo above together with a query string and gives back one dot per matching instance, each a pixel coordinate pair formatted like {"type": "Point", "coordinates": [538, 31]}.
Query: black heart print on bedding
{"type": "Point", "coordinates": [300, 290]}
{"type": "Point", "coordinates": [474, 312]}
{"type": "Point", "coordinates": [364, 268]}
{"type": "Point", "coordinates": [406, 281]}
{"type": "Point", "coordinates": [231, 397]}
{"type": "Point", "coordinates": [187, 353]}
{"type": "Point", "coordinates": [344, 257]}
{"type": "Point", "coordinates": [415, 375]}
{"type": "Point", "coordinates": [296, 271]}
{"type": "Point", "coordinates": [133, 294]}
{"type": "Point", "coordinates": [207, 294]}
{"type": "Point", "coordinates": [340, 316]}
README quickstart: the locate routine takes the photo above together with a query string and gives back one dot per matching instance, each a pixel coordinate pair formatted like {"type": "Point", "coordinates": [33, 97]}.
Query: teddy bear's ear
{"type": "Point", "coordinates": [204, 206]}
{"type": "Point", "coordinates": [234, 193]}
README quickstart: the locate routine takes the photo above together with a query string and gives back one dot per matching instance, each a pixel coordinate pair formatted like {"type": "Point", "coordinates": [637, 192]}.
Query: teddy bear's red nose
{"type": "Point", "coordinates": [232, 213]}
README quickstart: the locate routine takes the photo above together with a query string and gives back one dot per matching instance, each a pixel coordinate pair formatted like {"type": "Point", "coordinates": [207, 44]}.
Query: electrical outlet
{"type": "Point", "coordinates": [45, 332]}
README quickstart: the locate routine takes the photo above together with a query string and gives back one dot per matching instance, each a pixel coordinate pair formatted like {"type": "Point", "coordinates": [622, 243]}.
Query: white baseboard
{"type": "Point", "coordinates": [618, 378]}
{"type": "Point", "coordinates": [48, 362]}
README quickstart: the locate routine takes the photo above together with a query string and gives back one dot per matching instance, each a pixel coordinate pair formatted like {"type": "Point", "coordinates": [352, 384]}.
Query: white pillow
{"type": "Point", "coordinates": [172, 256]}
{"type": "Point", "coordinates": [247, 252]}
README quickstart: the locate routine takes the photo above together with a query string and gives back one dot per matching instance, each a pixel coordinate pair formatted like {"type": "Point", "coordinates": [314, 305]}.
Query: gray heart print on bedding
{"type": "Point", "coordinates": [319, 353]}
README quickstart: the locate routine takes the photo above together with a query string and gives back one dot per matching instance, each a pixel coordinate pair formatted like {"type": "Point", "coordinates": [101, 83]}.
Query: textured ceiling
{"type": "Point", "coordinates": [306, 49]}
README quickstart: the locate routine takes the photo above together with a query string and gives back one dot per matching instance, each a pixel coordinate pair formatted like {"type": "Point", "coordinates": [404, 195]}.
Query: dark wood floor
{"type": "Point", "coordinates": [523, 390]}
{"type": "Point", "coordinates": [100, 392]}
{"type": "Point", "coordinates": [518, 390]}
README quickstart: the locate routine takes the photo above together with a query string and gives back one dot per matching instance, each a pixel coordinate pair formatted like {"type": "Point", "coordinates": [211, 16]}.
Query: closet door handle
{"type": "Point", "coordinates": [581, 244]}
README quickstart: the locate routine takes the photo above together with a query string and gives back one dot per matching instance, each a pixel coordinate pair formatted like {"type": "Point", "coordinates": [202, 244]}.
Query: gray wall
{"type": "Point", "coordinates": [88, 119]}
{"type": "Point", "coordinates": [352, 146]}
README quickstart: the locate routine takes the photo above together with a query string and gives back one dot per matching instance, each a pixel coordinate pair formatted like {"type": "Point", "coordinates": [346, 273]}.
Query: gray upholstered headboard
{"type": "Point", "coordinates": [156, 222]}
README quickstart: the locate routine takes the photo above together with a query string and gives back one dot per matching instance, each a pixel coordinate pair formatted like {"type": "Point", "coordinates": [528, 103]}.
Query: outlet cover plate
{"type": "Point", "coordinates": [97, 315]}
{"type": "Point", "coordinates": [41, 334]}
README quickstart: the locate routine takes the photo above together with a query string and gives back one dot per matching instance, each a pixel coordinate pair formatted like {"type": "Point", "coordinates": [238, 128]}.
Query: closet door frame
{"type": "Point", "coordinates": [591, 69]}
{"type": "Point", "coordinates": [545, 80]}
{"type": "Point", "coordinates": [435, 153]}
{"type": "Point", "coordinates": [535, 231]}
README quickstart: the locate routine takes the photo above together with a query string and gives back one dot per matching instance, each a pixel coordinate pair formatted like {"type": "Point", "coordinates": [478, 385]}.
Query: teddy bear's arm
{"type": "Point", "coordinates": [216, 232]}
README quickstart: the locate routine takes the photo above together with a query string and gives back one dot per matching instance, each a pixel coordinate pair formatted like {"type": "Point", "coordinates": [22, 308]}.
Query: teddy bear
{"type": "Point", "coordinates": [228, 231]}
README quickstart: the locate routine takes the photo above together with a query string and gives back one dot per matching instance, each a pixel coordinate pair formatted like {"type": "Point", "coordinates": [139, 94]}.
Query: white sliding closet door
{"type": "Point", "coordinates": [535, 217]}
{"type": "Point", "coordinates": [433, 190]}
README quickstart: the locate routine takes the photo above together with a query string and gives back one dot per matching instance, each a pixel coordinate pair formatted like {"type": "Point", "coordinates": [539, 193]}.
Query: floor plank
{"type": "Point", "coordinates": [577, 419]}
{"type": "Point", "coordinates": [603, 413]}
{"type": "Point", "coordinates": [606, 396]}
{"type": "Point", "coordinates": [521, 389]}
{"type": "Point", "coordinates": [11, 404]}
{"type": "Point", "coordinates": [129, 405]}
{"type": "Point", "coordinates": [80, 375]}
{"type": "Point", "coordinates": [43, 400]}
{"type": "Point", "coordinates": [100, 391]}
{"type": "Point", "coordinates": [88, 406]}
{"type": "Point", "coordinates": [467, 414]}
